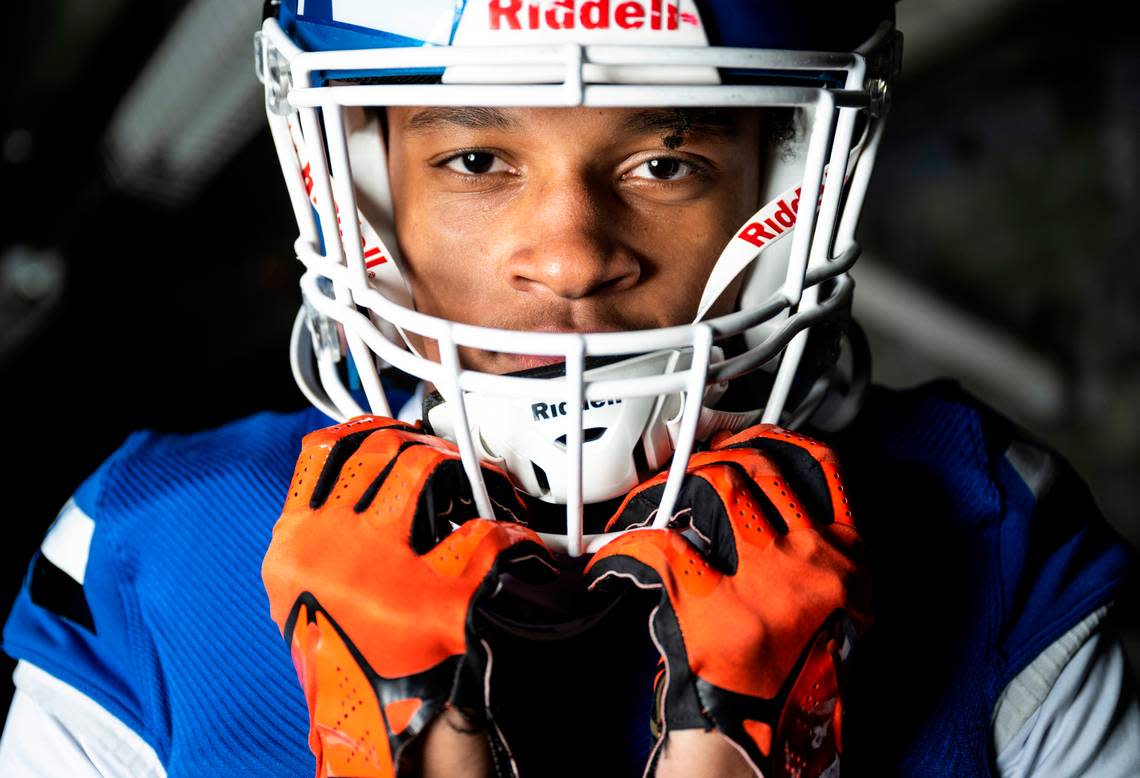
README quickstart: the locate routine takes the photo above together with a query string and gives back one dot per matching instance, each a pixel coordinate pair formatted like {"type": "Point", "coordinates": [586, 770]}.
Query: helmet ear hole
{"type": "Point", "coordinates": [589, 434]}
{"type": "Point", "coordinates": [540, 477]}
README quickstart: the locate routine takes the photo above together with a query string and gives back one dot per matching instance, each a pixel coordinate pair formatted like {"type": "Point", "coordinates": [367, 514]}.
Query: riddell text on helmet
{"type": "Point", "coordinates": [588, 14]}
{"type": "Point", "coordinates": [769, 227]}
{"type": "Point", "coordinates": [555, 409]}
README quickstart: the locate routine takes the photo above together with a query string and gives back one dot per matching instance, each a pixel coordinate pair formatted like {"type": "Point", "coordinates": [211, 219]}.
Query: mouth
{"type": "Point", "coordinates": [513, 363]}
{"type": "Point", "coordinates": [490, 360]}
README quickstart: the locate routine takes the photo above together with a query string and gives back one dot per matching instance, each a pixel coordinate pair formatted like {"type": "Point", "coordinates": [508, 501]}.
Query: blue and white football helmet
{"type": "Point", "coordinates": [323, 62]}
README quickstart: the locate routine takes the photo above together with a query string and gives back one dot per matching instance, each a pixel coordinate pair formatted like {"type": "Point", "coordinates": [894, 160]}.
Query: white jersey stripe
{"type": "Point", "coordinates": [56, 731]}
{"type": "Point", "coordinates": [68, 542]}
{"type": "Point", "coordinates": [1024, 694]}
{"type": "Point", "coordinates": [1034, 464]}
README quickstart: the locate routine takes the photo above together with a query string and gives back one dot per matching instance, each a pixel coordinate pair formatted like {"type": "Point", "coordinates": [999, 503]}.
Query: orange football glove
{"type": "Point", "coordinates": [374, 589]}
{"type": "Point", "coordinates": [762, 587]}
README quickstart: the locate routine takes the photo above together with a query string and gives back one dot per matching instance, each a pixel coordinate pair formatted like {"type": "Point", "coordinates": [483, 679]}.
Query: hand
{"type": "Point", "coordinates": [762, 586]}
{"type": "Point", "coordinates": [373, 574]}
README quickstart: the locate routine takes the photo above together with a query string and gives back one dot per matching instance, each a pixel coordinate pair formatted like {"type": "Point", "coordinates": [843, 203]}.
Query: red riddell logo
{"type": "Point", "coordinates": [768, 229]}
{"type": "Point", "coordinates": [589, 15]}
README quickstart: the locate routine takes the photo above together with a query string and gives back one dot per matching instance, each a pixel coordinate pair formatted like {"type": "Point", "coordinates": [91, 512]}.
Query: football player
{"type": "Point", "coordinates": [610, 488]}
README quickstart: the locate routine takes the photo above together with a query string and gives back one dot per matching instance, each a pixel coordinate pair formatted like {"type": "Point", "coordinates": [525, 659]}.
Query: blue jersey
{"type": "Point", "coordinates": [984, 550]}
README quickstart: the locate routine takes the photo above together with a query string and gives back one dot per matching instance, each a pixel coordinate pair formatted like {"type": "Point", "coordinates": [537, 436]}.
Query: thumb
{"type": "Point", "coordinates": [641, 558]}
{"type": "Point", "coordinates": [527, 557]}
{"type": "Point", "coordinates": [480, 547]}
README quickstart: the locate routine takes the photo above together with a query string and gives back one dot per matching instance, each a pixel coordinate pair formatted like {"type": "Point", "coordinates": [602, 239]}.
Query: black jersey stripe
{"type": "Point", "coordinates": [54, 590]}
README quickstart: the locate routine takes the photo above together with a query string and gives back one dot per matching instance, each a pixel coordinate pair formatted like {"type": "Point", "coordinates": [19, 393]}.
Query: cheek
{"type": "Point", "coordinates": [683, 244]}
{"type": "Point", "coordinates": [444, 252]}
{"type": "Point", "coordinates": [419, 242]}
{"type": "Point", "coordinates": [682, 247]}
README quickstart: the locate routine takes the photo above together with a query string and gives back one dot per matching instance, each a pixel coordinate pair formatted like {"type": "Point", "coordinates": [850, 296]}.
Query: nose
{"type": "Point", "coordinates": [568, 246]}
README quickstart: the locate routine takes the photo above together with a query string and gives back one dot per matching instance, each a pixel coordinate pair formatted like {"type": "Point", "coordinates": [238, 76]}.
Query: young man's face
{"type": "Point", "coordinates": [567, 219]}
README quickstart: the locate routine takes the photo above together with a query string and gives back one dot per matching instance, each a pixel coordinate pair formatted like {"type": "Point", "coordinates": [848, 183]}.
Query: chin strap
{"type": "Point", "coordinates": [837, 396]}
{"type": "Point", "coordinates": [712, 421]}
{"type": "Point", "coordinates": [763, 230]}
{"type": "Point", "coordinates": [828, 402]}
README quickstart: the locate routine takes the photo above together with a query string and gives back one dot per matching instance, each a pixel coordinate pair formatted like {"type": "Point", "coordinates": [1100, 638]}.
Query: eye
{"type": "Point", "coordinates": [663, 169]}
{"type": "Point", "coordinates": [476, 163]}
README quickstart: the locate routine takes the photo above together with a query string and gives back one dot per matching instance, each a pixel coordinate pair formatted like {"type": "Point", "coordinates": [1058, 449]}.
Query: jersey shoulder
{"type": "Point", "coordinates": [985, 547]}
{"type": "Point", "coordinates": [975, 475]}
{"type": "Point", "coordinates": [940, 434]}
{"type": "Point", "coordinates": [161, 475]}
{"type": "Point", "coordinates": [153, 568]}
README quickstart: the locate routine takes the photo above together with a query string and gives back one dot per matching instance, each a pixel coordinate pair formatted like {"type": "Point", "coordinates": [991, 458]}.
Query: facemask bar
{"type": "Point", "coordinates": [449, 359]}
{"type": "Point", "coordinates": [349, 234]}
{"type": "Point", "coordinates": [829, 207]}
{"type": "Point", "coordinates": [272, 61]}
{"type": "Point", "coordinates": [690, 383]}
{"type": "Point", "coordinates": [347, 285]}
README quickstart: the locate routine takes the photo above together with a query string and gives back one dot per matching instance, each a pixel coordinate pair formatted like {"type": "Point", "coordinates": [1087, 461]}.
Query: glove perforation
{"type": "Point", "coordinates": [373, 488]}
{"type": "Point", "coordinates": [801, 471]}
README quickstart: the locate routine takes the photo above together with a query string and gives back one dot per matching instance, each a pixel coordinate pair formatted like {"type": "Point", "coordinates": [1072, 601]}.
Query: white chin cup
{"type": "Point", "coordinates": [624, 438]}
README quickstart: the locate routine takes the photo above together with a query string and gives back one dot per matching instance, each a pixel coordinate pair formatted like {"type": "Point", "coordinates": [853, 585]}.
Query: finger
{"type": "Point", "coordinates": [324, 454]}
{"type": "Point", "coordinates": [361, 461]}
{"type": "Point", "coordinates": [481, 547]}
{"type": "Point", "coordinates": [315, 450]}
{"type": "Point", "coordinates": [639, 508]}
{"type": "Point", "coordinates": [718, 502]}
{"type": "Point", "coordinates": [651, 559]}
{"type": "Point", "coordinates": [526, 557]}
{"type": "Point", "coordinates": [330, 435]}
{"type": "Point", "coordinates": [754, 490]}
{"type": "Point", "coordinates": [424, 489]}
{"type": "Point", "coordinates": [389, 445]}
{"type": "Point", "coordinates": [809, 468]}
{"type": "Point", "coordinates": [755, 436]}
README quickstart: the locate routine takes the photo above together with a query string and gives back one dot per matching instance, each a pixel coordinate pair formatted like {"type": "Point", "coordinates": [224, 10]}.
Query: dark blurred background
{"type": "Point", "coordinates": [147, 279]}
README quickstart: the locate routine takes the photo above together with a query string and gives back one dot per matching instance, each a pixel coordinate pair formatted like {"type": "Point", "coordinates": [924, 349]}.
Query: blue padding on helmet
{"type": "Point", "coordinates": [804, 25]}
{"type": "Point", "coordinates": [809, 78]}
{"type": "Point", "coordinates": [353, 375]}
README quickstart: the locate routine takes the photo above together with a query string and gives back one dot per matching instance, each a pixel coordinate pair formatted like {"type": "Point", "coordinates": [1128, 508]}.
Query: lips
{"type": "Point", "coordinates": [516, 362]}
{"type": "Point", "coordinates": [501, 362]}
{"type": "Point", "coordinates": [511, 363]}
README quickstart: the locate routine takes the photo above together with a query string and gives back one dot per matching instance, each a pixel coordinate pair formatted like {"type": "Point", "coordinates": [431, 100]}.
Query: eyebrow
{"type": "Point", "coordinates": [472, 118]}
{"type": "Point", "coordinates": [683, 122]}
{"type": "Point", "coordinates": [677, 122]}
